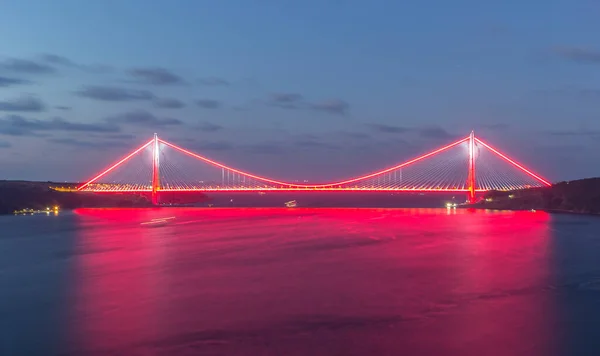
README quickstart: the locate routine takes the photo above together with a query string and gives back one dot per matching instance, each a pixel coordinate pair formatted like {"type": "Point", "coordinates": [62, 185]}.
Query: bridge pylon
{"type": "Point", "coordinates": [471, 180]}
{"type": "Point", "coordinates": [155, 170]}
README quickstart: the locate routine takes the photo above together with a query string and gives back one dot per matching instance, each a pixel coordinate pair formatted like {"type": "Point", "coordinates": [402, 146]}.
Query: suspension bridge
{"type": "Point", "coordinates": [469, 165]}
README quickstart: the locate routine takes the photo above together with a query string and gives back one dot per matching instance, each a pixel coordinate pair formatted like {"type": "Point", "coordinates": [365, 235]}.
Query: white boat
{"type": "Point", "coordinates": [157, 222]}
{"type": "Point", "coordinates": [291, 204]}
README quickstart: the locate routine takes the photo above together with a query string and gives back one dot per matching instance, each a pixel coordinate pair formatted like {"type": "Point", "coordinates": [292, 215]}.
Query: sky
{"type": "Point", "coordinates": [313, 89]}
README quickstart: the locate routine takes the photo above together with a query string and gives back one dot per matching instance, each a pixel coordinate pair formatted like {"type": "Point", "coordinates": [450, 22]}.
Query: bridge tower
{"type": "Point", "coordinates": [155, 170]}
{"type": "Point", "coordinates": [471, 181]}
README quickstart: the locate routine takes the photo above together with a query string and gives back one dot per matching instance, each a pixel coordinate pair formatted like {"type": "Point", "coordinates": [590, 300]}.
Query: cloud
{"type": "Point", "coordinates": [25, 66]}
{"type": "Point", "coordinates": [212, 146]}
{"type": "Point", "coordinates": [120, 137]}
{"type": "Point", "coordinates": [313, 143]}
{"type": "Point", "coordinates": [64, 108]}
{"type": "Point", "coordinates": [15, 125]}
{"type": "Point", "coordinates": [388, 128]}
{"type": "Point", "coordinates": [269, 148]}
{"type": "Point", "coordinates": [356, 135]}
{"type": "Point", "coordinates": [497, 126]}
{"type": "Point", "coordinates": [155, 76]}
{"type": "Point", "coordinates": [168, 103]}
{"type": "Point", "coordinates": [106, 93]}
{"type": "Point", "coordinates": [57, 60]}
{"type": "Point", "coordinates": [294, 101]}
{"type": "Point", "coordinates": [576, 133]}
{"type": "Point", "coordinates": [141, 117]}
{"type": "Point", "coordinates": [7, 82]}
{"type": "Point", "coordinates": [435, 133]}
{"type": "Point", "coordinates": [85, 144]}
{"type": "Point", "coordinates": [23, 104]}
{"type": "Point", "coordinates": [208, 103]}
{"type": "Point", "coordinates": [425, 132]}
{"type": "Point", "coordinates": [213, 81]}
{"type": "Point", "coordinates": [578, 54]}
{"type": "Point", "coordinates": [113, 136]}
{"type": "Point", "coordinates": [4, 144]}
{"type": "Point", "coordinates": [332, 106]}
{"type": "Point", "coordinates": [286, 100]}
{"type": "Point", "coordinates": [209, 127]}
{"type": "Point", "coordinates": [589, 93]}
{"type": "Point", "coordinates": [45, 64]}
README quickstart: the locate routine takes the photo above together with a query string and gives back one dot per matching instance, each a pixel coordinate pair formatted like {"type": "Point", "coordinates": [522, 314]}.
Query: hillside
{"type": "Point", "coordinates": [17, 195]}
{"type": "Point", "coordinates": [579, 196]}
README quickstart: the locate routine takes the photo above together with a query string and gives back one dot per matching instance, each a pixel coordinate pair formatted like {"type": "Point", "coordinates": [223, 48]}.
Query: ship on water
{"type": "Point", "coordinates": [291, 204]}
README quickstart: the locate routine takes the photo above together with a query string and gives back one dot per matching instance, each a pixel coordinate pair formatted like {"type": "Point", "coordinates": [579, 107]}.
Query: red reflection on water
{"type": "Point", "coordinates": [504, 289]}
{"type": "Point", "coordinates": [117, 279]}
{"type": "Point", "coordinates": [315, 281]}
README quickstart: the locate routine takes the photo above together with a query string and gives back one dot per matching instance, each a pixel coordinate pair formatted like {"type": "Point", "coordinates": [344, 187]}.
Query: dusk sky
{"type": "Point", "coordinates": [312, 89]}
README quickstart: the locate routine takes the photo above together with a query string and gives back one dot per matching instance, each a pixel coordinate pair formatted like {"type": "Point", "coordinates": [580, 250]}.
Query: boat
{"type": "Point", "coordinates": [157, 222]}
{"type": "Point", "coordinates": [291, 204]}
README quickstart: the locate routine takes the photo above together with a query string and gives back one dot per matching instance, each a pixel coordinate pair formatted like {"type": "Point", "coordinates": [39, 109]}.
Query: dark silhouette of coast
{"type": "Point", "coordinates": [18, 195]}
{"type": "Point", "coordinates": [578, 196]}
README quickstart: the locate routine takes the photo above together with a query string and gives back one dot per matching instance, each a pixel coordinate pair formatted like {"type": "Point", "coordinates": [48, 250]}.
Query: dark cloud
{"type": "Point", "coordinates": [576, 133]}
{"type": "Point", "coordinates": [213, 81]}
{"type": "Point", "coordinates": [64, 108]}
{"type": "Point", "coordinates": [294, 101]}
{"type": "Point", "coordinates": [141, 117]}
{"type": "Point", "coordinates": [57, 60]}
{"type": "Point", "coordinates": [120, 137]}
{"type": "Point", "coordinates": [313, 143]}
{"type": "Point", "coordinates": [269, 148]}
{"type": "Point", "coordinates": [332, 106]}
{"type": "Point", "coordinates": [286, 100]}
{"type": "Point", "coordinates": [61, 61]}
{"type": "Point", "coordinates": [4, 144]}
{"type": "Point", "coordinates": [168, 103]}
{"type": "Point", "coordinates": [25, 66]}
{"type": "Point", "coordinates": [7, 82]}
{"type": "Point", "coordinates": [105, 93]}
{"type": "Point", "coordinates": [425, 132]}
{"type": "Point", "coordinates": [15, 125]}
{"type": "Point", "coordinates": [23, 104]}
{"type": "Point", "coordinates": [589, 93]}
{"type": "Point", "coordinates": [155, 76]}
{"type": "Point", "coordinates": [356, 135]}
{"type": "Point", "coordinates": [306, 136]}
{"type": "Point", "coordinates": [578, 54]}
{"type": "Point", "coordinates": [113, 136]}
{"type": "Point", "coordinates": [497, 126]}
{"type": "Point", "coordinates": [212, 146]}
{"type": "Point", "coordinates": [434, 133]}
{"type": "Point", "coordinates": [208, 103]}
{"type": "Point", "coordinates": [388, 128]}
{"type": "Point", "coordinates": [209, 127]}
{"type": "Point", "coordinates": [85, 144]}
{"type": "Point", "coordinates": [571, 92]}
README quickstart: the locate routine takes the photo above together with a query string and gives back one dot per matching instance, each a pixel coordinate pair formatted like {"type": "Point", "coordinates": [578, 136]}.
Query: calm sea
{"type": "Point", "coordinates": [305, 281]}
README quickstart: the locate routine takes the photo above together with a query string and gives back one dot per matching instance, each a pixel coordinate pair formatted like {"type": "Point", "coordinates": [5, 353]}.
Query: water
{"type": "Point", "coordinates": [300, 282]}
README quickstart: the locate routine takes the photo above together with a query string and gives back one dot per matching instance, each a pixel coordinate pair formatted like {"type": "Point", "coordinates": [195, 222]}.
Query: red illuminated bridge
{"type": "Point", "coordinates": [468, 165]}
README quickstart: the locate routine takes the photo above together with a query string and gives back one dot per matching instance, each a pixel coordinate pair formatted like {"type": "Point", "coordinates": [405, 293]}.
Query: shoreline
{"type": "Point", "coordinates": [550, 211]}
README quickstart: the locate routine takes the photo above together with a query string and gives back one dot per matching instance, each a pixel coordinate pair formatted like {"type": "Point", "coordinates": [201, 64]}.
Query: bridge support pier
{"type": "Point", "coordinates": [471, 182]}
{"type": "Point", "coordinates": [155, 170]}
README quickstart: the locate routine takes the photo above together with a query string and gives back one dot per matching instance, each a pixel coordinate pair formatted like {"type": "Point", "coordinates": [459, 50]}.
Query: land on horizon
{"type": "Point", "coordinates": [579, 196]}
